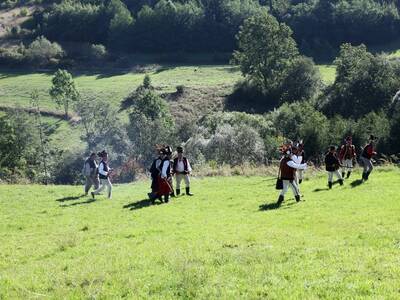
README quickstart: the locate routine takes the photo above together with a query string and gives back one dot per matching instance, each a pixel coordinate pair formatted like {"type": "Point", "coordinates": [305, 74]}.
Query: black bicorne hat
{"type": "Point", "coordinates": [102, 153]}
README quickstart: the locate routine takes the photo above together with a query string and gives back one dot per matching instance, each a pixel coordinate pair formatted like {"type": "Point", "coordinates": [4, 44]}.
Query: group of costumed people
{"type": "Point", "coordinates": [292, 165]}
{"type": "Point", "coordinates": [291, 169]}
{"type": "Point", "coordinates": [97, 175]}
{"type": "Point", "coordinates": [162, 171]}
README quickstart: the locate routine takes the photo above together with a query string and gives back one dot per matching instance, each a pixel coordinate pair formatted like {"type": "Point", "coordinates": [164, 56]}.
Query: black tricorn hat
{"type": "Point", "coordinates": [372, 137]}
{"type": "Point", "coordinates": [168, 150]}
{"type": "Point", "coordinates": [179, 149]}
{"type": "Point", "coordinates": [102, 153]}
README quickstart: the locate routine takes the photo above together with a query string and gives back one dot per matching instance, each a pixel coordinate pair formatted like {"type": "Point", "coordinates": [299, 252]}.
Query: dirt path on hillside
{"type": "Point", "coordinates": [73, 118]}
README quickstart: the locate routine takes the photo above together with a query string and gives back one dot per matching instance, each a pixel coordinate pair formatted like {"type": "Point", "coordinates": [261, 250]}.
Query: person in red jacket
{"type": "Point", "coordinates": [366, 157]}
{"type": "Point", "coordinates": [347, 155]}
{"type": "Point", "coordinates": [287, 172]}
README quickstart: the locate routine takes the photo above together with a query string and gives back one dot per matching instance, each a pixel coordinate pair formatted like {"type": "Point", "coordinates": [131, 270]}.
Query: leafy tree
{"type": "Point", "coordinates": [150, 122]}
{"type": "Point", "coordinates": [63, 90]}
{"type": "Point", "coordinates": [302, 121]}
{"type": "Point", "coordinates": [302, 81]}
{"type": "Point", "coordinates": [19, 147]}
{"type": "Point", "coordinates": [98, 119]}
{"type": "Point", "coordinates": [364, 83]}
{"type": "Point", "coordinates": [42, 136]}
{"type": "Point", "coordinates": [120, 24]}
{"type": "Point", "coordinates": [265, 50]}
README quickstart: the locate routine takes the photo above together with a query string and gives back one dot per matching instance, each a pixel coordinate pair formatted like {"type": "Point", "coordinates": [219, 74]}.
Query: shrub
{"type": "Point", "coordinates": [24, 12]}
{"type": "Point", "coordinates": [180, 89]}
{"type": "Point", "coordinates": [98, 52]}
{"type": "Point", "coordinates": [41, 51]}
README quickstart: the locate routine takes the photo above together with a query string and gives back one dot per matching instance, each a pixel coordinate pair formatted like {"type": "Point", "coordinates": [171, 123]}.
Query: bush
{"type": "Point", "coordinates": [68, 169]}
{"type": "Point", "coordinates": [180, 89]}
{"type": "Point", "coordinates": [41, 51]}
{"type": "Point", "coordinates": [24, 12]}
{"type": "Point", "coordinates": [98, 52]}
{"type": "Point", "coordinates": [236, 145]}
{"type": "Point", "coordinates": [12, 57]}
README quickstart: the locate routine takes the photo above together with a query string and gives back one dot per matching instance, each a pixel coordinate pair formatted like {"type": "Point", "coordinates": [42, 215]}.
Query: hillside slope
{"type": "Point", "coordinates": [226, 242]}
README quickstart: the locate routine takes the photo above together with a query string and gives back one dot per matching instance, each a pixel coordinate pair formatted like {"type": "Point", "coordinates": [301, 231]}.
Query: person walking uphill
{"type": "Point", "coordinates": [104, 174]}
{"type": "Point", "coordinates": [182, 170]}
{"type": "Point", "coordinates": [366, 157]}
{"type": "Point", "coordinates": [90, 173]}
{"type": "Point", "coordinates": [332, 165]}
{"type": "Point", "coordinates": [287, 173]}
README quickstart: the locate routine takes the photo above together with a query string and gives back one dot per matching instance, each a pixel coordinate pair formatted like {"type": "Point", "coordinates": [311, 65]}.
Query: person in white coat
{"type": "Point", "coordinates": [287, 173]}
{"type": "Point", "coordinates": [104, 175]}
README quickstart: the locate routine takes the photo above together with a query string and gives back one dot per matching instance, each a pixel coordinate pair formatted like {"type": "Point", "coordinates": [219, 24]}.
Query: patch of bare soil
{"type": "Point", "coordinates": [193, 103]}
{"type": "Point", "coordinates": [13, 17]}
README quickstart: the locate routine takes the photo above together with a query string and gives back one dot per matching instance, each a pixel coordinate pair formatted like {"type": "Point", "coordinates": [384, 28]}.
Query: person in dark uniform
{"type": "Point", "coordinates": [90, 171]}
{"type": "Point", "coordinates": [165, 177]}
{"type": "Point", "coordinates": [332, 165]}
{"type": "Point", "coordinates": [155, 173]}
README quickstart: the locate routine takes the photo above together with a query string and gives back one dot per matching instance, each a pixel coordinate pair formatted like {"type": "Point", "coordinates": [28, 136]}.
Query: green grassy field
{"type": "Point", "coordinates": [226, 242]}
{"type": "Point", "coordinates": [16, 87]}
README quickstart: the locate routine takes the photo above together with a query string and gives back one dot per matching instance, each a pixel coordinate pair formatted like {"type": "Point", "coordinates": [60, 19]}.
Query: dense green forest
{"type": "Point", "coordinates": [319, 27]}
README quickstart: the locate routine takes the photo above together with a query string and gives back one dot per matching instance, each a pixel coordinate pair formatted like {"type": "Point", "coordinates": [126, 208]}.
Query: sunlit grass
{"type": "Point", "coordinates": [226, 242]}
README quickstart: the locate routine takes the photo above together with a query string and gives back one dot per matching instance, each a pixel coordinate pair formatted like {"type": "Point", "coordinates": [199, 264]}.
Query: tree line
{"type": "Point", "coordinates": [211, 25]}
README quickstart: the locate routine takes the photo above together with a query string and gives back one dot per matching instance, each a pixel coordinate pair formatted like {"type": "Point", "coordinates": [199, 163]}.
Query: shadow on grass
{"type": "Point", "coordinates": [356, 183]}
{"type": "Point", "coordinates": [70, 198]}
{"type": "Point", "coordinates": [79, 203]}
{"type": "Point", "coordinates": [273, 206]}
{"type": "Point", "coordinates": [140, 204]}
{"type": "Point", "coordinates": [326, 188]}
{"type": "Point", "coordinates": [320, 190]}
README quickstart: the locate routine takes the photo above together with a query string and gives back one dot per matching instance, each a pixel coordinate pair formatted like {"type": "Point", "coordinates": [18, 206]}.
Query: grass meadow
{"type": "Point", "coordinates": [16, 86]}
{"type": "Point", "coordinates": [226, 242]}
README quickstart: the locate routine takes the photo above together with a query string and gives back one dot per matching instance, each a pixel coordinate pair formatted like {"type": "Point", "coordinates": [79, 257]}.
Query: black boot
{"type": "Point", "coordinates": [367, 175]}
{"type": "Point", "coordinates": [363, 176]}
{"type": "Point", "coordinates": [300, 181]}
{"type": "Point", "coordinates": [166, 198]}
{"type": "Point", "coordinates": [178, 192]}
{"type": "Point", "coordinates": [330, 184]}
{"type": "Point", "coordinates": [280, 200]}
{"type": "Point", "coordinates": [188, 192]}
{"type": "Point", "coordinates": [297, 198]}
{"type": "Point", "coordinates": [348, 174]}
{"type": "Point", "coordinates": [341, 181]}
{"type": "Point", "coordinates": [343, 173]}
{"type": "Point", "coordinates": [152, 197]}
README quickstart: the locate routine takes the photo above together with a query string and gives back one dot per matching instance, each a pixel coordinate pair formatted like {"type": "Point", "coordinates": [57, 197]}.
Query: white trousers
{"type": "Point", "coordinates": [300, 174]}
{"type": "Point", "coordinates": [103, 184]}
{"type": "Point", "coordinates": [179, 178]}
{"type": "Point", "coordinates": [336, 173]}
{"type": "Point", "coordinates": [292, 184]}
{"type": "Point", "coordinates": [347, 165]}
